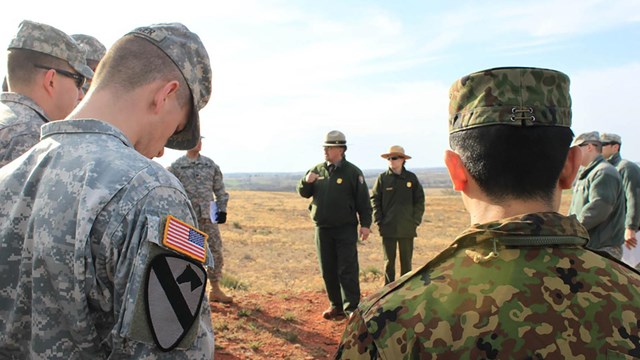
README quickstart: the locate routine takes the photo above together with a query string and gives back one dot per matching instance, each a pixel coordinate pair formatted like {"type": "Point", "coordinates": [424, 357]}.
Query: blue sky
{"type": "Point", "coordinates": [287, 72]}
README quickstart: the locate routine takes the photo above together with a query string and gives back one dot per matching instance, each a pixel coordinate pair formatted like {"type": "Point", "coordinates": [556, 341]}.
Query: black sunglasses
{"type": "Point", "coordinates": [79, 79]}
{"type": "Point", "coordinates": [394, 158]}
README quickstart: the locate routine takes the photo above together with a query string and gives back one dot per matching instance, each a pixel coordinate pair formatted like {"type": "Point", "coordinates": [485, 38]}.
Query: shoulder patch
{"type": "Point", "coordinates": [185, 239]}
{"type": "Point", "coordinates": [173, 297]}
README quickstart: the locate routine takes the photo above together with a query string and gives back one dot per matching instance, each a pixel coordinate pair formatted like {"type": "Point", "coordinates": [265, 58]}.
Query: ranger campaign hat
{"type": "Point", "coordinates": [395, 150]}
{"type": "Point", "coordinates": [94, 50]}
{"type": "Point", "coordinates": [516, 96]}
{"type": "Point", "coordinates": [48, 40]}
{"type": "Point", "coordinates": [187, 51]}
{"type": "Point", "coordinates": [335, 138]}
{"type": "Point", "coordinates": [608, 138]}
{"type": "Point", "coordinates": [592, 137]}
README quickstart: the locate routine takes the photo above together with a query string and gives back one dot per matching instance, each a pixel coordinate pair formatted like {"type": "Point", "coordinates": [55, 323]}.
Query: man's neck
{"type": "Point", "coordinates": [193, 155]}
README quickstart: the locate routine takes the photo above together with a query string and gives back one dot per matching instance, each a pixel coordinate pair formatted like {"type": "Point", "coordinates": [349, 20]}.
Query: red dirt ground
{"type": "Point", "coordinates": [275, 326]}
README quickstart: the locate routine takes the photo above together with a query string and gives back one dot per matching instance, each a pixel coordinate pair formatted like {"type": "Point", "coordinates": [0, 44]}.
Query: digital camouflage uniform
{"type": "Point", "coordinates": [203, 181]}
{"type": "Point", "coordinates": [523, 287]}
{"type": "Point", "coordinates": [339, 201]}
{"type": "Point", "coordinates": [81, 215]}
{"type": "Point", "coordinates": [20, 122]}
{"type": "Point", "coordinates": [20, 117]}
{"type": "Point", "coordinates": [489, 296]}
{"type": "Point", "coordinates": [598, 203]}
{"type": "Point", "coordinates": [94, 52]}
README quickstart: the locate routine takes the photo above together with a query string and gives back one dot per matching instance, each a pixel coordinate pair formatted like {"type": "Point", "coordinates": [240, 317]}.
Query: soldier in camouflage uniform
{"type": "Point", "coordinates": [630, 174]}
{"type": "Point", "coordinates": [598, 197]}
{"type": "Point", "coordinates": [45, 72]}
{"type": "Point", "coordinates": [519, 283]}
{"type": "Point", "coordinates": [204, 183]}
{"type": "Point", "coordinates": [100, 256]}
{"type": "Point", "coordinates": [94, 52]}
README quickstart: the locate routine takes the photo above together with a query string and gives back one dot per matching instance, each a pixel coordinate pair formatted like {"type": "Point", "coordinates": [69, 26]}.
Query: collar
{"type": "Point", "coordinates": [83, 126]}
{"type": "Point", "coordinates": [595, 162]}
{"type": "Point", "coordinates": [11, 97]}
{"type": "Point", "coordinates": [614, 159]}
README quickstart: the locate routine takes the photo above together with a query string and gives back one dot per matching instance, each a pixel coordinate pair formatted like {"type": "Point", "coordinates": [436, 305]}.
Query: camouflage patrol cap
{"type": "Point", "coordinates": [608, 138]}
{"type": "Point", "coordinates": [516, 96]}
{"type": "Point", "coordinates": [94, 50]}
{"type": "Point", "coordinates": [592, 137]}
{"type": "Point", "coordinates": [187, 51]}
{"type": "Point", "coordinates": [49, 40]}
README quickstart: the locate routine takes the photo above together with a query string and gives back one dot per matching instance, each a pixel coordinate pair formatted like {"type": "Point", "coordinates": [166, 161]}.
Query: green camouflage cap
{"type": "Point", "coordinates": [516, 96]}
{"type": "Point", "coordinates": [592, 137]}
{"type": "Point", "coordinates": [610, 138]}
{"type": "Point", "coordinates": [187, 51]}
{"type": "Point", "coordinates": [49, 40]}
{"type": "Point", "coordinates": [94, 49]}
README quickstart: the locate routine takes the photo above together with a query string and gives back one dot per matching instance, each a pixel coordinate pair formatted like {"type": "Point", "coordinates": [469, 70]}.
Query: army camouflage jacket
{"type": "Point", "coordinates": [630, 174]}
{"type": "Point", "coordinates": [519, 288]}
{"type": "Point", "coordinates": [20, 122]}
{"type": "Point", "coordinates": [81, 216]}
{"type": "Point", "coordinates": [598, 203]}
{"type": "Point", "coordinates": [203, 181]}
{"type": "Point", "coordinates": [340, 198]}
{"type": "Point", "coordinates": [398, 203]}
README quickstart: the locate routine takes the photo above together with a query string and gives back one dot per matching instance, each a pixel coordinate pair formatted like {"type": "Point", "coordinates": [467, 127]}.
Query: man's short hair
{"type": "Point", "coordinates": [133, 62]}
{"type": "Point", "coordinates": [21, 70]}
{"type": "Point", "coordinates": [510, 162]}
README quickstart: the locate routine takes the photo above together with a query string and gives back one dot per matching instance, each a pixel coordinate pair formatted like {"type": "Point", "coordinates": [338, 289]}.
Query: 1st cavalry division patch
{"type": "Point", "coordinates": [185, 239]}
{"type": "Point", "coordinates": [173, 297]}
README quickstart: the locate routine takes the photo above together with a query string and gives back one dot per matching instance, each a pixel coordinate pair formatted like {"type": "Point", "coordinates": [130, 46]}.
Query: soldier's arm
{"type": "Point", "coordinates": [418, 202]}
{"type": "Point", "coordinates": [220, 194]}
{"type": "Point", "coordinates": [602, 198]}
{"type": "Point", "coordinates": [376, 200]}
{"type": "Point", "coordinates": [304, 188]}
{"type": "Point", "coordinates": [356, 342]}
{"type": "Point", "coordinates": [631, 183]}
{"type": "Point", "coordinates": [363, 204]}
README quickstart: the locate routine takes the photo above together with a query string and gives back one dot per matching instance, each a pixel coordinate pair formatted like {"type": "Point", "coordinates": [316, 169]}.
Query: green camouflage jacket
{"type": "Point", "coordinates": [630, 174]}
{"type": "Point", "coordinates": [519, 288]}
{"type": "Point", "coordinates": [598, 203]}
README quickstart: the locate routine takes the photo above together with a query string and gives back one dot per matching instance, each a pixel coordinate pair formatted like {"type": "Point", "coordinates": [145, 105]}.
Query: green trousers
{"type": "Point", "coordinates": [338, 256]}
{"type": "Point", "coordinates": [405, 248]}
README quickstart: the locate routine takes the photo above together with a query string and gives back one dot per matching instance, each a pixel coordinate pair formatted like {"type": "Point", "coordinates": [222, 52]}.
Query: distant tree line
{"type": "Point", "coordinates": [286, 182]}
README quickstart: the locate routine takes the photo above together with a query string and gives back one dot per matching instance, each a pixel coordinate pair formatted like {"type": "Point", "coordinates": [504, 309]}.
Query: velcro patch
{"type": "Point", "coordinates": [173, 296]}
{"type": "Point", "coordinates": [185, 239]}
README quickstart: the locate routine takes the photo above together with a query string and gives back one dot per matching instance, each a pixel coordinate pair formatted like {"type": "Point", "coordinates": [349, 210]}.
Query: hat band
{"type": "Point", "coordinates": [510, 115]}
{"type": "Point", "coordinates": [337, 142]}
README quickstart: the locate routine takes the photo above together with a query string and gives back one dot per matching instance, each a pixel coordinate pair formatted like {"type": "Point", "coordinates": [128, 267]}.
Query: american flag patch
{"type": "Point", "coordinates": [185, 239]}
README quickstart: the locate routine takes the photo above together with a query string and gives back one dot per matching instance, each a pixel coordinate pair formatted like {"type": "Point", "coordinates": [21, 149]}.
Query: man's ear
{"type": "Point", "coordinates": [163, 94]}
{"type": "Point", "coordinates": [570, 168]}
{"type": "Point", "coordinates": [47, 81]}
{"type": "Point", "coordinates": [457, 170]}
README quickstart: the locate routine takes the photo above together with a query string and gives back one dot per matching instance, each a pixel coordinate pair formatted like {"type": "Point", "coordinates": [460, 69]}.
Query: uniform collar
{"type": "Point", "coordinates": [83, 126]}
{"type": "Point", "coordinates": [9, 97]}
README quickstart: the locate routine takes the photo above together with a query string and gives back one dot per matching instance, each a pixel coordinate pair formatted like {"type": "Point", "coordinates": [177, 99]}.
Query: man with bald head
{"type": "Point", "coordinates": [46, 70]}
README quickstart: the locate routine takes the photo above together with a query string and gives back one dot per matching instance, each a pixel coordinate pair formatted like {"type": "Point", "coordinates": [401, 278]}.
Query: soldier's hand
{"type": "Point", "coordinates": [311, 177]}
{"type": "Point", "coordinates": [364, 233]}
{"type": "Point", "coordinates": [630, 240]}
{"type": "Point", "coordinates": [221, 217]}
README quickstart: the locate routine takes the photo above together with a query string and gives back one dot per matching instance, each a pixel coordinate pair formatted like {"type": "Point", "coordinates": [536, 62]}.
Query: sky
{"type": "Point", "coordinates": [287, 72]}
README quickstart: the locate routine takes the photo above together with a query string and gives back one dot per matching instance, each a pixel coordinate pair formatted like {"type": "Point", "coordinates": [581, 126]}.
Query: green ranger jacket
{"type": "Point", "coordinates": [518, 288]}
{"type": "Point", "coordinates": [338, 197]}
{"type": "Point", "coordinates": [630, 173]}
{"type": "Point", "coordinates": [598, 203]}
{"type": "Point", "coordinates": [398, 203]}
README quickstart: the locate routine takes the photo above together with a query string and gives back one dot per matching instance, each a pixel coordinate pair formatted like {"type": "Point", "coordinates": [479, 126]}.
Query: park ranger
{"type": "Point", "coordinates": [100, 255]}
{"type": "Point", "coordinates": [340, 199]}
{"type": "Point", "coordinates": [519, 283]}
{"type": "Point", "coordinates": [204, 183]}
{"type": "Point", "coordinates": [46, 70]}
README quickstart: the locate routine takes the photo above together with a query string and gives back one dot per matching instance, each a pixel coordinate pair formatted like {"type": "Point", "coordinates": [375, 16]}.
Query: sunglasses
{"type": "Point", "coordinates": [79, 79]}
{"type": "Point", "coordinates": [394, 158]}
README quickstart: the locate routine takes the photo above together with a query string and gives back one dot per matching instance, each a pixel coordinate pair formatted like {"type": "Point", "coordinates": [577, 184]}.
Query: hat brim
{"type": "Point", "coordinates": [388, 155]}
{"type": "Point", "coordinates": [333, 145]}
{"type": "Point", "coordinates": [188, 138]}
{"type": "Point", "coordinates": [83, 69]}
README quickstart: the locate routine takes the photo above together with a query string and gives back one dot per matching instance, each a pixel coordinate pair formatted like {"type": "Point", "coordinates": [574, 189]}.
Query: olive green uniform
{"type": "Point", "coordinates": [340, 200]}
{"type": "Point", "coordinates": [598, 203]}
{"type": "Point", "coordinates": [630, 174]}
{"type": "Point", "coordinates": [398, 206]}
